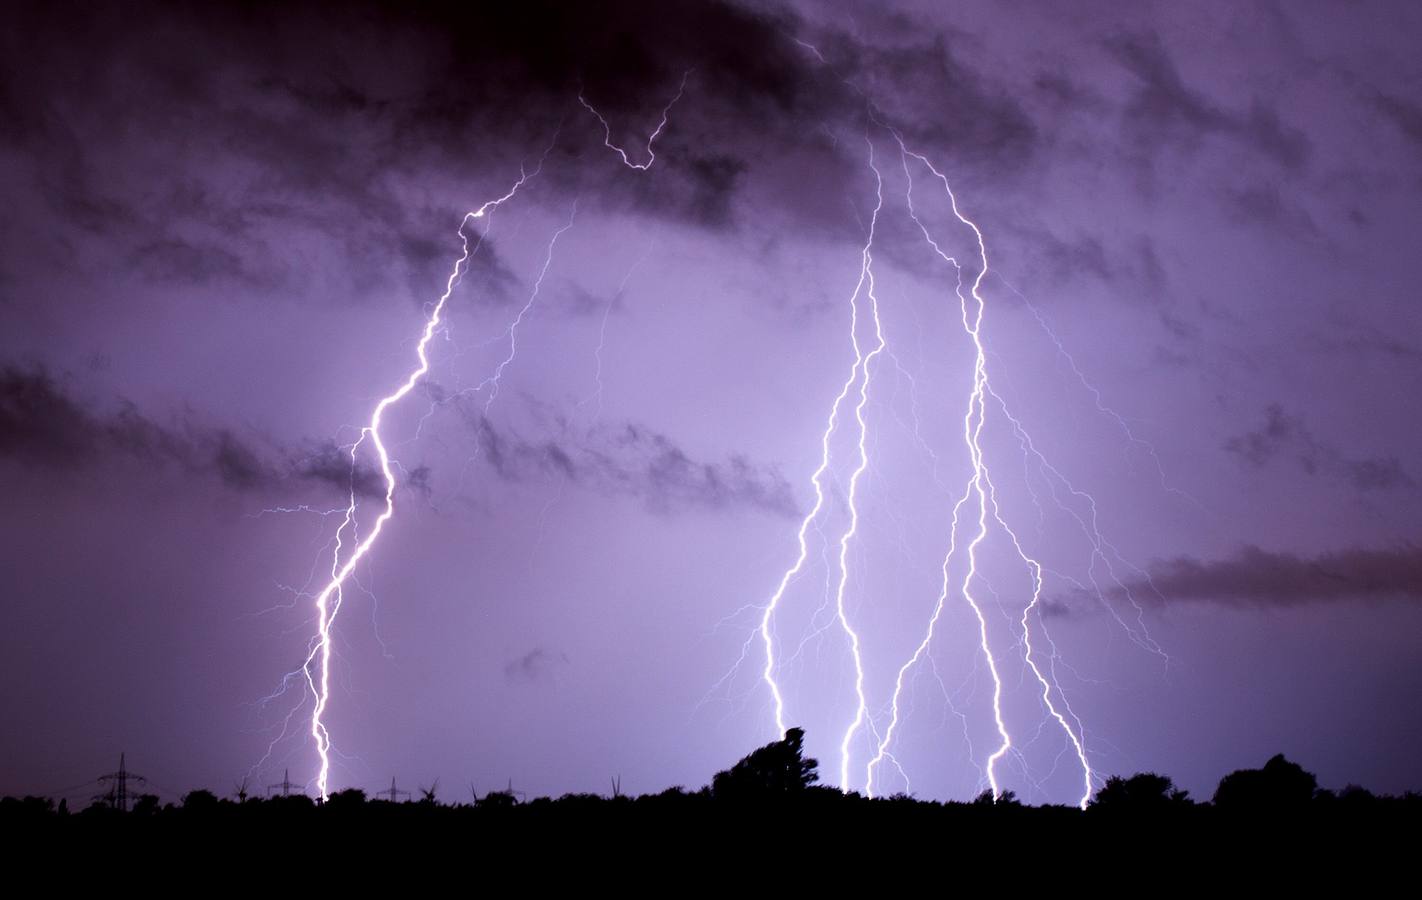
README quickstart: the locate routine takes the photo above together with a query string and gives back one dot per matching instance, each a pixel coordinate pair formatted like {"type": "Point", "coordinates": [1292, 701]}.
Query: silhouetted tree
{"type": "Point", "coordinates": [350, 798]}
{"type": "Point", "coordinates": [1142, 792]}
{"type": "Point", "coordinates": [1006, 798]}
{"type": "Point", "coordinates": [497, 800]}
{"type": "Point", "coordinates": [146, 805]}
{"type": "Point", "coordinates": [778, 768]}
{"type": "Point", "coordinates": [1280, 785]}
{"type": "Point", "coordinates": [200, 801]}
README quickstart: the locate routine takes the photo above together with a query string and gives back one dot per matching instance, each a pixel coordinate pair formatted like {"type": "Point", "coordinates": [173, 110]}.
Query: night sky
{"type": "Point", "coordinates": [225, 226]}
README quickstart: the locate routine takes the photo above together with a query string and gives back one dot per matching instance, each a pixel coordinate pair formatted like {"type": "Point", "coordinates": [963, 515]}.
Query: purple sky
{"type": "Point", "coordinates": [224, 228]}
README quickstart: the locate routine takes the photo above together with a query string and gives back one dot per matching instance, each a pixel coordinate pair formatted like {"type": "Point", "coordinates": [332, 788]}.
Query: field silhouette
{"type": "Point", "coordinates": [764, 820]}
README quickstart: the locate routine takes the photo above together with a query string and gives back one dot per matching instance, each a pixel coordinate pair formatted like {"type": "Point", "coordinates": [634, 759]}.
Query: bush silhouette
{"type": "Point", "coordinates": [348, 799]}
{"type": "Point", "coordinates": [777, 769]}
{"type": "Point", "coordinates": [1142, 792]}
{"type": "Point", "coordinates": [200, 801]}
{"type": "Point", "coordinates": [1003, 799]}
{"type": "Point", "coordinates": [1281, 785]}
{"type": "Point", "coordinates": [497, 800]}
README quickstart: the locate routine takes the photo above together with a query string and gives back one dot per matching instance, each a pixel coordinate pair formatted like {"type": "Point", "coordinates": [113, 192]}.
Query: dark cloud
{"type": "Point", "coordinates": [1286, 437]}
{"type": "Point", "coordinates": [1084, 254]}
{"type": "Point", "coordinates": [577, 301]}
{"type": "Point", "coordinates": [328, 130]}
{"type": "Point", "coordinates": [1264, 204]}
{"type": "Point", "coordinates": [486, 274]}
{"type": "Point", "coordinates": [40, 425]}
{"type": "Point", "coordinates": [171, 259]}
{"type": "Point", "coordinates": [1346, 333]}
{"type": "Point", "coordinates": [1259, 578]}
{"type": "Point", "coordinates": [331, 464]}
{"type": "Point", "coordinates": [1165, 110]}
{"type": "Point", "coordinates": [43, 427]}
{"type": "Point", "coordinates": [326, 137]}
{"type": "Point", "coordinates": [534, 665]}
{"type": "Point", "coordinates": [920, 86]}
{"type": "Point", "coordinates": [635, 461]}
{"type": "Point", "coordinates": [1132, 266]}
{"type": "Point", "coordinates": [1406, 116]}
{"type": "Point", "coordinates": [258, 140]}
{"type": "Point", "coordinates": [1061, 91]}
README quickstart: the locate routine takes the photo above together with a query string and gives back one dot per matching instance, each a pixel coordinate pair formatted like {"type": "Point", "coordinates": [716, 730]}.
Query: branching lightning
{"type": "Point", "coordinates": [492, 383]}
{"type": "Point", "coordinates": [866, 282]}
{"type": "Point", "coordinates": [349, 547]}
{"type": "Point", "coordinates": [980, 486]}
{"type": "Point", "coordinates": [656, 133]}
{"type": "Point", "coordinates": [328, 601]}
{"type": "Point", "coordinates": [974, 518]}
{"type": "Point", "coordinates": [861, 363]}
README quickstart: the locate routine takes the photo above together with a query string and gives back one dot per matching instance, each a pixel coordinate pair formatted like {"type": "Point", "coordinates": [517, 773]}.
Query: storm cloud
{"type": "Point", "coordinates": [227, 222]}
{"type": "Point", "coordinates": [633, 460]}
{"type": "Point", "coordinates": [1255, 578]}
{"type": "Point", "coordinates": [43, 427]}
{"type": "Point", "coordinates": [1285, 437]}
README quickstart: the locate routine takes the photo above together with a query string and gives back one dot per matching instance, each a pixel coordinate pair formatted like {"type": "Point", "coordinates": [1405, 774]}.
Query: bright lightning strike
{"type": "Point", "coordinates": [328, 601]}
{"type": "Point", "coordinates": [861, 361]}
{"type": "Point", "coordinates": [980, 487]}
{"type": "Point", "coordinates": [866, 281]}
{"type": "Point", "coordinates": [975, 518]}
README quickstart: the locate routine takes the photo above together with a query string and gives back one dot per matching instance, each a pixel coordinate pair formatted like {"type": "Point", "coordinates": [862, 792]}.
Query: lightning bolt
{"type": "Point", "coordinates": [975, 516]}
{"type": "Point", "coordinates": [612, 301]}
{"type": "Point", "coordinates": [328, 601]}
{"type": "Point", "coordinates": [656, 133]}
{"type": "Point", "coordinates": [493, 382]}
{"type": "Point", "coordinates": [866, 281]}
{"type": "Point", "coordinates": [864, 287]}
{"type": "Point", "coordinates": [980, 488]}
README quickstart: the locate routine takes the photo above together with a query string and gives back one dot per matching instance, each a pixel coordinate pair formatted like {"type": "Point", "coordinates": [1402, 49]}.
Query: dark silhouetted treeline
{"type": "Point", "coordinates": [1273, 823]}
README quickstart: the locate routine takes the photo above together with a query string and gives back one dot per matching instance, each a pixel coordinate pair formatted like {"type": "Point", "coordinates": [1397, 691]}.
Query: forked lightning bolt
{"type": "Point", "coordinates": [860, 364]}
{"type": "Point", "coordinates": [866, 283]}
{"type": "Point", "coordinates": [656, 133]}
{"type": "Point", "coordinates": [317, 666]}
{"type": "Point", "coordinates": [328, 601]}
{"type": "Point", "coordinates": [974, 518]}
{"type": "Point", "coordinates": [980, 487]}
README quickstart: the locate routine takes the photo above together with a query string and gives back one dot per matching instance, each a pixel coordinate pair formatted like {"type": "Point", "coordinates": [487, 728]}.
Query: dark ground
{"type": "Point", "coordinates": [761, 826]}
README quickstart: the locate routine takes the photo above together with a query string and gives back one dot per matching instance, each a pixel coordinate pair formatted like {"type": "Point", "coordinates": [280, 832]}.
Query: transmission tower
{"type": "Point", "coordinates": [394, 792]}
{"type": "Point", "coordinates": [285, 784]}
{"type": "Point", "coordinates": [118, 795]}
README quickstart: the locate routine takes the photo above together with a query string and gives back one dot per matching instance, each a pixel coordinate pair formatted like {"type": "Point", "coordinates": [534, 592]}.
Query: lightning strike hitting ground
{"type": "Point", "coordinates": [978, 499]}
{"type": "Point", "coordinates": [981, 487]}
{"type": "Point", "coordinates": [817, 480]}
{"type": "Point", "coordinates": [866, 280]}
{"type": "Point", "coordinates": [328, 601]}
{"type": "Point", "coordinates": [977, 504]}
